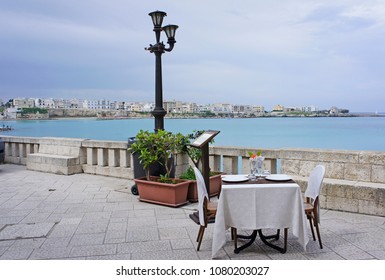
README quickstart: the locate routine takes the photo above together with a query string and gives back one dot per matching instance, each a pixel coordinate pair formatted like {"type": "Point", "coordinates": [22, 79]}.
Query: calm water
{"type": "Point", "coordinates": [360, 133]}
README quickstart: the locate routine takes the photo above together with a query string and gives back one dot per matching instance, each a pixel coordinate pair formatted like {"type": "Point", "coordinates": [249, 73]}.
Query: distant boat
{"type": "Point", "coordinates": [6, 128]}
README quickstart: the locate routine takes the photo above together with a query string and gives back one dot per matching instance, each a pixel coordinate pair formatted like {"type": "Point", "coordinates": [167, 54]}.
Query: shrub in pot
{"type": "Point", "coordinates": [160, 147]}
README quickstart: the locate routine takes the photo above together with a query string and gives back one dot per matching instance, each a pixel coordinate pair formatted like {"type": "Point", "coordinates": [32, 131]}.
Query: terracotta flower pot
{"type": "Point", "coordinates": [163, 193]}
{"type": "Point", "coordinates": [215, 188]}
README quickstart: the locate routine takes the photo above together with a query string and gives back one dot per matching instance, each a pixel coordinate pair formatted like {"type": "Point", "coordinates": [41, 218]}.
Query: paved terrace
{"type": "Point", "coordinates": [82, 216]}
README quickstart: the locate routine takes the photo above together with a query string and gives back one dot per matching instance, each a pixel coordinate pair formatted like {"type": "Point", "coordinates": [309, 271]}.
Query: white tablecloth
{"type": "Point", "coordinates": [259, 206]}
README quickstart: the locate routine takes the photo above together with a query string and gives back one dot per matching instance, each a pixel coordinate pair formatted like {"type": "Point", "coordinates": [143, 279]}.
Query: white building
{"type": "Point", "coordinates": [179, 107]}
{"type": "Point", "coordinates": [133, 107]}
{"type": "Point", "coordinates": [221, 108]}
{"type": "Point", "coordinates": [101, 104]}
{"type": "Point", "coordinates": [10, 113]}
{"type": "Point", "coordinates": [278, 108]}
{"type": "Point", "coordinates": [310, 109]}
{"type": "Point", "coordinates": [258, 109]}
{"type": "Point", "coordinates": [203, 108]}
{"type": "Point", "coordinates": [242, 109]}
{"type": "Point", "coordinates": [24, 102]}
{"type": "Point", "coordinates": [147, 107]}
{"type": "Point", "coordinates": [45, 103]}
{"type": "Point", "coordinates": [190, 107]}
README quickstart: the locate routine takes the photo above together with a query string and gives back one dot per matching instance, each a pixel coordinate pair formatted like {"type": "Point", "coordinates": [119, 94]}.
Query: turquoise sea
{"type": "Point", "coordinates": [348, 133]}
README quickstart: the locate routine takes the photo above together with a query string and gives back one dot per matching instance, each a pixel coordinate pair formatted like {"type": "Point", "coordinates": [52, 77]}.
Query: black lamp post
{"type": "Point", "coordinates": [158, 49]}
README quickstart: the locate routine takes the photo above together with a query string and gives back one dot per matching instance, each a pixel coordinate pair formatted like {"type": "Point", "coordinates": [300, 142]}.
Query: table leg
{"type": "Point", "coordinates": [279, 249]}
{"type": "Point", "coordinates": [252, 239]}
{"type": "Point", "coordinates": [264, 239]}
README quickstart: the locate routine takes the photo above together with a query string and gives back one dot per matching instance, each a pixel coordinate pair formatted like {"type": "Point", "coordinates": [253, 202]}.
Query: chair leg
{"type": "Point", "coordinates": [314, 222]}
{"type": "Point", "coordinates": [200, 236]}
{"type": "Point", "coordinates": [285, 239]}
{"type": "Point", "coordinates": [318, 233]}
{"type": "Point", "coordinates": [234, 237]}
{"type": "Point", "coordinates": [311, 226]}
{"type": "Point", "coordinates": [199, 233]}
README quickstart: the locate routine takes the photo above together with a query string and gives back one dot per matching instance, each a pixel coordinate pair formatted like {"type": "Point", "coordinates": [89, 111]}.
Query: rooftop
{"type": "Point", "coordinates": [48, 216]}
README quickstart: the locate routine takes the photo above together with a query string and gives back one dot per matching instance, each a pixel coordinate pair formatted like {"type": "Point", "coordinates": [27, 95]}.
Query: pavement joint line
{"type": "Point", "coordinates": [23, 238]}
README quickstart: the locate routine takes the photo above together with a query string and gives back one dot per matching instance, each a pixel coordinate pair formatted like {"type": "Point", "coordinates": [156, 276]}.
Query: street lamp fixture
{"type": "Point", "coordinates": [158, 49]}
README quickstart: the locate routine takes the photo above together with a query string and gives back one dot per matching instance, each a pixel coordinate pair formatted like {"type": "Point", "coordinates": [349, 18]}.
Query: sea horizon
{"type": "Point", "coordinates": [342, 133]}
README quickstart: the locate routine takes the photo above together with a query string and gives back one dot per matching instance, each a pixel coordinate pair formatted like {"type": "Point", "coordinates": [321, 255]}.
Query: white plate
{"type": "Point", "coordinates": [234, 178]}
{"type": "Point", "coordinates": [278, 177]}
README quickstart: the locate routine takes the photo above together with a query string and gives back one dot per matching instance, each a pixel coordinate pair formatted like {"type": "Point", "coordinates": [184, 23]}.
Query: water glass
{"type": "Point", "coordinates": [260, 161]}
{"type": "Point", "coordinates": [253, 168]}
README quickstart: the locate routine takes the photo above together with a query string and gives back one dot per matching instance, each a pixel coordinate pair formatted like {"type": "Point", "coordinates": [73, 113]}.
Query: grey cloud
{"type": "Point", "coordinates": [263, 52]}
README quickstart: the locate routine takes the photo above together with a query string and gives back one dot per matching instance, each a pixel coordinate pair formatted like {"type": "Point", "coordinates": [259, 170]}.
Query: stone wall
{"type": "Point", "coordinates": [354, 180]}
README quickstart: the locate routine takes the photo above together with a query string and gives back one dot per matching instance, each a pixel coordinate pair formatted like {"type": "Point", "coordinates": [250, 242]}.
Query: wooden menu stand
{"type": "Point", "coordinates": [202, 143]}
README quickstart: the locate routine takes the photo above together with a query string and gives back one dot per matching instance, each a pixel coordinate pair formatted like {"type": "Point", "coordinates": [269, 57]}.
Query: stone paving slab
{"type": "Point", "coordinates": [21, 231]}
{"type": "Point", "coordinates": [89, 217]}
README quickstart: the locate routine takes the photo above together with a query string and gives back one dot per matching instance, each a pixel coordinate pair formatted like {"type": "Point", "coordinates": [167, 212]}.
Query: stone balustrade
{"type": "Point", "coordinates": [354, 180]}
{"type": "Point", "coordinates": [17, 148]}
{"type": "Point", "coordinates": [108, 158]}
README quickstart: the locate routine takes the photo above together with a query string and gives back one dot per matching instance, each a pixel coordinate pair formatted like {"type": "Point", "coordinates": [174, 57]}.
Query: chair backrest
{"type": "Point", "coordinates": [202, 193]}
{"type": "Point", "coordinates": [315, 182]}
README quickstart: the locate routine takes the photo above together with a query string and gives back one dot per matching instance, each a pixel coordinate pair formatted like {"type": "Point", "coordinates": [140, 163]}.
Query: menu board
{"type": "Point", "coordinates": [204, 138]}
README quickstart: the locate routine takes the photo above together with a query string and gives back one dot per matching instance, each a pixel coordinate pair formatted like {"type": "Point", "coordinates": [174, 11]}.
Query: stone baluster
{"type": "Point", "coordinates": [230, 164]}
{"type": "Point", "coordinates": [113, 157]}
{"type": "Point", "coordinates": [22, 150]}
{"type": "Point", "coordinates": [29, 149]}
{"type": "Point", "coordinates": [124, 158]}
{"type": "Point", "coordinates": [8, 149]}
{"type": "Point", "coordinates": [15, 150]}
{"type": "Point", "coordinates": [92, 156]}
{"type": "Point", "coordinates": [245, 165]}
{"type": "Point", "coordinates": [272, 165]}
{"type": "Point", "coordinates": [22, 153]}
{"type": "Point", "coordinates": [102, 157]}
{"type": "Point", "coordinates": [215, 163]}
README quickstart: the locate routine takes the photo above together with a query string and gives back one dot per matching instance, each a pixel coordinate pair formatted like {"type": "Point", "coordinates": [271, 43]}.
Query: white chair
{"type": "Point", "coordinates": [207, 210]}
{"type": "Point", "coordinates": [312, 199]}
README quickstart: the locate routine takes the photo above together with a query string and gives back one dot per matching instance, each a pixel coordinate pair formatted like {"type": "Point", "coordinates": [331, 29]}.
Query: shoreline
{"type": "Point", "coordinates": [354, 115]}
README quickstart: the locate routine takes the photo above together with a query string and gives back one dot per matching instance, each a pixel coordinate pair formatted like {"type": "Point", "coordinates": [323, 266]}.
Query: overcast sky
{"type": "Point", "coordinates": [290, 52]}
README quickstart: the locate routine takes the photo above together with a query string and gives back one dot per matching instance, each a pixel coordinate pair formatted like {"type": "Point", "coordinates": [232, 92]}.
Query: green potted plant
{"type": "Point", "coordinates": [160, 148]}
{"type": "Point", "coordinates": [195, 156]}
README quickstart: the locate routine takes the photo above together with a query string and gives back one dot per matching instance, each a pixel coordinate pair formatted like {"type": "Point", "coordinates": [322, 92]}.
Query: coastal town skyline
{"type": "Point", "coordinates": [171, 106]}
{"type": "Point", "coordinates": [326, 53]}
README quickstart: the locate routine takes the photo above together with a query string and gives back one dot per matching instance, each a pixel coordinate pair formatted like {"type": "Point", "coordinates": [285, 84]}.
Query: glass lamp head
{"type": "Point", "coordinates": [157, 18]}
{"type": "Point", "coordinates": [170, 31]}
